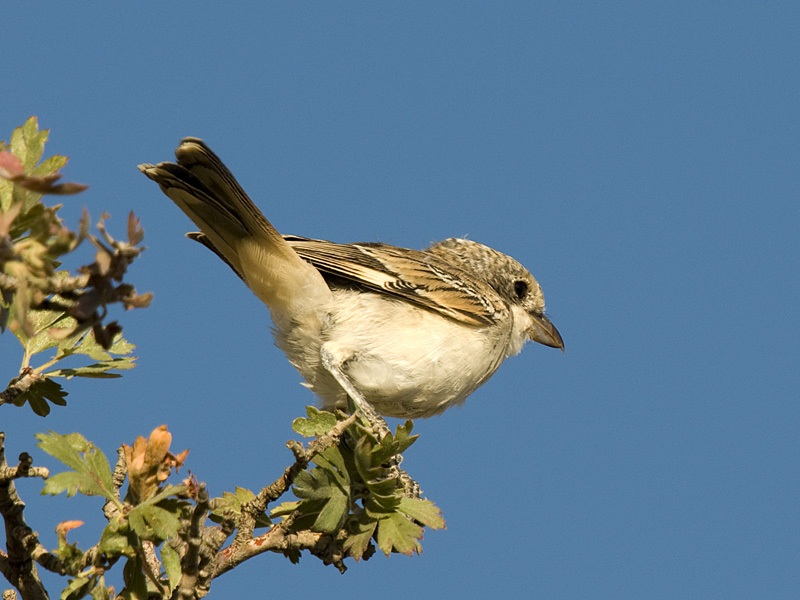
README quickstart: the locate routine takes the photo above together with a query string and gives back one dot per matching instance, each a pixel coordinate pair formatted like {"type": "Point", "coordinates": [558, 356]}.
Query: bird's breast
{"type": "Point", "coordinates": [407, 361]}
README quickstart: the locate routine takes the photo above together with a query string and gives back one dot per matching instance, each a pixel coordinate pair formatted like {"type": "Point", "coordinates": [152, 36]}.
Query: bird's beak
{"type": "Point", "coordinates": [544, 332]}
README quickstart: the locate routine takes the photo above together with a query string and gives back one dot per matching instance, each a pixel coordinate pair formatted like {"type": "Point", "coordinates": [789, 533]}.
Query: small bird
{"type": "Point", "coordinates": [404, 333]}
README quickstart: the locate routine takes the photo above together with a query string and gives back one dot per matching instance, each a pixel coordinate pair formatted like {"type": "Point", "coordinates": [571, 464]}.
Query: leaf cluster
{"type": "Point", "coordinates": [350, 500]}
{"type": "Point", "coordinates": [48, 308]}
{"type": "Point", "coordinates": [357, 493]}
{"type": "Point", "coordinates": [136, 523]}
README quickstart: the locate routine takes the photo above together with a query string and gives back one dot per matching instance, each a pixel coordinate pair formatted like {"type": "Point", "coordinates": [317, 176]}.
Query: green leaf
{"type": "Point", "coordinates": [327, 495]}
{"type": "Point", "coordinates": [363, 460]}
{"type": "Point", "coordinates": [424, 511]}
{"type": "Point", "coordinates": [284, 509]}
{"type": "Point", "coordinates": [67, 448]}
{"type": "Point", "coordinates": [78, 587]}
{"type": "Point", "coordinates": [332, 460]}
{"type": "Point", "coordinates": [70, 554]}
{"type": "Point", "coordinates": [167, 495]}
{"type": "Point", "coordinates": [359, 539]}
{"type": "Point", "coordinates": [91, 474]}
{"type": "Point", "coordinates": [318, 423]}
{"type": "Point", "coordinates": [85, 343]}
{"type": "Point", "coordinates": [6, 195]}
{"type": "Point", "coordinates": [100, 592]}
{"type": "Point", "coordinates": [90, 582]}
{"type": "Point", "coordinates": [399, 534]}
{"type": "Point", "coordinates": [41, 322]}
{"type": "Point", "coordinates": [172, 566]}
{"type": "Point", "coordinates": [391, 445]}
{"type": "Point", "coordinates": [379, 505]}
{"type": "Point", "coordinates": [50, 165]}
{"type": "Point", "coordinates": [333, 514]}
{"type": "Point", "coordinates": [230, 506]}
{"type": "Point", "coordinates": [117, 538]}
{"type": "Point", "coordinates": [31, 217]}
{"type": "Point", "coordinates": [369, 459]}
{"type": "Point", "coordinates": [314, 485]}
{"type": "Point", "coordinates": [39, 393]}
{"type": "Point", "coordinates": [70, 482]}
{"type": "Point", "coordinates": [29, 143]}
{"type": "Point", "coordinates": [97, 370]}
{"type": "Point", "coordinates": [403, 437]}
{"type": "Point", "coordinates": [153, 522]}
{"type": "Point", "coordinates": [135, 580]}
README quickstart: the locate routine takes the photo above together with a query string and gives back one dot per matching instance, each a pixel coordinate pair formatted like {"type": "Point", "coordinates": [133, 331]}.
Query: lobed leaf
{"type": "Point", "coordinates": [424, 511]}
{"type": "Point", "coordinates": [329, 500]}
{"type": "Point", "coordinates": [154, 522]}
{"type": "Point", "coordinates": [91, 474]}
{"type": "Point", "coordinates": [50, 165]}
{"type": "Point", "coordinates": [97, 370]}
{"type": "Point", "coordinates": [396, 533]}
{"type": "Point", "coordinates": [359, 540]}
{"type": "Point", "coordinates": [117, 538]}
{"type": "Point", "coordinates": [39, 393]}
{"type": "Point", "coordinates": [79, 587]}
{"type": "Point", "coordinates": [230, 506]}
{"type": "Point", "coordinates": [27, 143]}
{"type": "Point", "coordinates": [135, 580]}
{"type": "Point", "coordinates": [172, 566]}
{"type": "Point", "coordinates": [319, 422]}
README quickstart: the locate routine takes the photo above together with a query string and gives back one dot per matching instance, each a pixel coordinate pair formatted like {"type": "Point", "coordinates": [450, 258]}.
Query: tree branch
{"type": "Point", "coordinates": [18, 566]}
{"type": "Point", "coordinates": [19, 385]}
{"type": "Point", "coordinates": [279, 538]}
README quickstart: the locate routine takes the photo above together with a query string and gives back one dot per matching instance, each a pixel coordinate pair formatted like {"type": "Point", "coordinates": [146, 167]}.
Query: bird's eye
{"type": "Point", "coordinates": [521, 289]}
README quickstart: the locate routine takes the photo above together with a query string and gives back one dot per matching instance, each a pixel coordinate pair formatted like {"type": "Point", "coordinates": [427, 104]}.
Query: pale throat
{"type": "Point", "coordinates": [519, 330]}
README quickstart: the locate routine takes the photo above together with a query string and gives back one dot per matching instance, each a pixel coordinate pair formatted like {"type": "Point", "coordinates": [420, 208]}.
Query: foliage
{"type": "Point", "coordinates": [352, 488]}
{"type": "Point", "coordinates": [169, 539]}
{"type": "Point", "coordinates": [49, 310]}
{"type": "Point", "coordinates": [150, 513]}
{"type": "Point", "coordinates": [347, 502]}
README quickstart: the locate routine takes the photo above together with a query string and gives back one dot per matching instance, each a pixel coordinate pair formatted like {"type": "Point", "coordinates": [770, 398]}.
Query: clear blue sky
{"type": "Point", "coordinates": [642, 159]}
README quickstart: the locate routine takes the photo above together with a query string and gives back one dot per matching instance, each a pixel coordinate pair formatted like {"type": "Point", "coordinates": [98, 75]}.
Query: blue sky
{"type": "Point", "coordinates": [640, 158]}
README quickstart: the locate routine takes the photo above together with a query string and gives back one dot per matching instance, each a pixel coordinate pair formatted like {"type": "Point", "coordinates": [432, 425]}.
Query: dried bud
{"type": "Point", "coordinates": [150, 463]}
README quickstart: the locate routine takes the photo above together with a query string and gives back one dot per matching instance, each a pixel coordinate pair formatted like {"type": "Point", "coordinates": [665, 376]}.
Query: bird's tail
{"type": "Point", "coordinates": [235, 229]}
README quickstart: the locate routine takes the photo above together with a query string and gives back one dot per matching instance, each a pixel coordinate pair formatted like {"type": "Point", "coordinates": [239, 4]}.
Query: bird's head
{"type": "Point", "coordinates": [513, 282]}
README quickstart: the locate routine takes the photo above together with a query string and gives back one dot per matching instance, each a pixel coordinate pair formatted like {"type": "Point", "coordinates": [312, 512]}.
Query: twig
{"type": "Point", "coordinates": [19, 385]}
{"type": "Point", "coordinates": [278, 539]}
{"type": "Point", "coordinates": [110, 509]}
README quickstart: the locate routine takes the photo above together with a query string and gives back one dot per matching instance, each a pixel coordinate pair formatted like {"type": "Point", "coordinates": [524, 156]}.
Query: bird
{"type": "Point", "coordinates": [404, 333]}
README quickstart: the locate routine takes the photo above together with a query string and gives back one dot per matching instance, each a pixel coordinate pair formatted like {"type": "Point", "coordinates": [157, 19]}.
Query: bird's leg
{"type": "Point", "coordinates": [334, 367]}
{"type": "Point", "coordinates": [379, 425]}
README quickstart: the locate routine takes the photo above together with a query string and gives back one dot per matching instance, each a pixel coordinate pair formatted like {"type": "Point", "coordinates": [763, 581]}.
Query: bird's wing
{"type": "Point", "coordinates": [411, 275]}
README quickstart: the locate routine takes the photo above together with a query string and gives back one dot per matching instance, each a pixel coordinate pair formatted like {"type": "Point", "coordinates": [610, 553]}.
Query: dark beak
{"type": "Point", "coordinates": [544, 332]}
